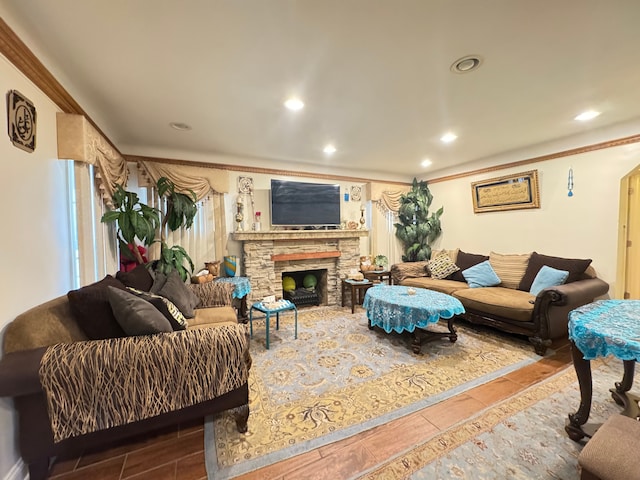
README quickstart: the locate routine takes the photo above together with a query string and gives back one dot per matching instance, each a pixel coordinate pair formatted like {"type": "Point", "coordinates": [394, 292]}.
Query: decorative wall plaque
{"type": "Point", "coordinates": [21, 121]}
{"type": "Point", "coordinates": [356, 193]}
{"type": "Point", "coordinates": [509, 192]}
{"type": "Point", "coordinates": [245, 185]}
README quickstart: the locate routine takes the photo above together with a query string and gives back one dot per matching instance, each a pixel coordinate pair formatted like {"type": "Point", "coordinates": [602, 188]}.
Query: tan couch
{"type": "Point", "coordinates": [49, 363]}
{"type": "Point", "coordinates": [509, 306]}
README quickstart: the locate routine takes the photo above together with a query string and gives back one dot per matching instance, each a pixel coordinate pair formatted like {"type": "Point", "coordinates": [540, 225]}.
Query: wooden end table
{"type": "Point", "coordinates": [357, 289]}
{"type": "Point", "coordinates": [377, 276]}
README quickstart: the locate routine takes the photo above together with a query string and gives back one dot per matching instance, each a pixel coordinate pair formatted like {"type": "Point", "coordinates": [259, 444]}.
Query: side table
{"type": "Point", "coordinates": [599, 329]}
{"type": "Point", "coordinates": [357, 289]}
{"type": "Point", "coordinates": [269, 309]}
{"type": "Point", "coordinates": [242, 289]}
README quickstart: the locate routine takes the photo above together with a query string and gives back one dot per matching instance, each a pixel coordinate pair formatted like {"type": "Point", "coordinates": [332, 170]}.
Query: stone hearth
{"type": "Point", "coordinates": [267, 255]}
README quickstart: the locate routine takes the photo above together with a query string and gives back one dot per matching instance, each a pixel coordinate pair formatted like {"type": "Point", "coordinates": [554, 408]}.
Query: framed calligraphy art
{"type": "Point", "coordinates": [21, 121]}
{"type": "Point", "coordinates": [511, 192]}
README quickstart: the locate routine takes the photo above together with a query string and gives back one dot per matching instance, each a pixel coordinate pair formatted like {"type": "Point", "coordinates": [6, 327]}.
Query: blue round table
{"type": "Point", "coordinates": [599, 329]}
{"type": "Point", "coordinates": [393, 308]}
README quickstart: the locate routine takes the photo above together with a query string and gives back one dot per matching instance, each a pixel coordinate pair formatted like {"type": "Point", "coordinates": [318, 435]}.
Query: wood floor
{"type": "Point", "coordinates": [177, 454]}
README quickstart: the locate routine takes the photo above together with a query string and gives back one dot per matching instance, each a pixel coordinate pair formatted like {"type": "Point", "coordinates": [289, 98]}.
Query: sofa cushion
{"type": "Point", "coordinates": [509, 267]}
{"type": "Point", "coordinates": [135, 315]}
{"type": "Point", "coordinates": [442, 266]}
{"type": "Point", "coordinates": [172, 286]}
{"type": "Point", "coordinates": [548, 277]}
{"type": "Point", "coordinates": [437, 285]}
{"type": "Point", "coordinates": [576, 268]}
{"type": "Point", "coordinates": [503, 302]}
{"type": "Point", "coordinates": [481, 275]}
{"type": "Point", "coordinates": [453, 254]}
{"type": "Point", "coordinates": [92, 311]}
{"type": "Point", "coordinates": [401, 271]}
{"type": "Point", "coordinates": [138, 278]}
{"type": "Point", "coordinates": [165, 306]}
{"type": "Point", "coordinates": [464, 261]}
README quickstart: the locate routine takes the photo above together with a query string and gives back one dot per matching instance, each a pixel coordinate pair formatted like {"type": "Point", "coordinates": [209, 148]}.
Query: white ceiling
{"type": "Point", "coordinates": [374, 75]}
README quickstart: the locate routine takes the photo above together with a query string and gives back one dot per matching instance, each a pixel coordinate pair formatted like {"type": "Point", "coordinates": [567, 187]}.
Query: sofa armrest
{"type": "Point", "coordinates": [19, 372]}
{"type": "Point", "coordinates": [213, 294]}
{"type": "Point", "coordinates": [403, 270]}
{"type": "Point", "coordinates": [553, 304]}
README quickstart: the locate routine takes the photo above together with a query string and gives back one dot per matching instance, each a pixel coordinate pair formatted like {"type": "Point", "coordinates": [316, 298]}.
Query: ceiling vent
{"type": "Point", "coordinates": [466, 64]}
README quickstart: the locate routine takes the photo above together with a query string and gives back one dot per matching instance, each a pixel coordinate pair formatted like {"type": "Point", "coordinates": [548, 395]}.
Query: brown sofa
{"type": "Point", "coordinates": [510, 306]}
{"type": "Point", "coordinates": [72, 393]}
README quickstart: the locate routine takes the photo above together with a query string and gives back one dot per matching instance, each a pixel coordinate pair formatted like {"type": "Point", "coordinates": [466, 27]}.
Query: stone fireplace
{"type": "Point", "coordinates": [269, 255]}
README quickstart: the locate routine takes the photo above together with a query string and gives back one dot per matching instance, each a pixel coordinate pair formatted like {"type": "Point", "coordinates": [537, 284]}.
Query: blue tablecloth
{"type": "Point", "coordinates": [393, 309]}
{"type": "Point", "coordinates": [607, 327]}
{"type": "Point", "coordinates": [242, 284]}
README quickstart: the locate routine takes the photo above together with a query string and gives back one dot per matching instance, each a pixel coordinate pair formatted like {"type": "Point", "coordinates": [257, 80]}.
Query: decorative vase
{"type": "Point", "coordinates": [230, 263]}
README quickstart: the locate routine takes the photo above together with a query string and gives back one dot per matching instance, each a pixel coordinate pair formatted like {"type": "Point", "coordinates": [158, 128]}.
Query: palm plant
{"type": "Point", "coordinates": [417, 229]}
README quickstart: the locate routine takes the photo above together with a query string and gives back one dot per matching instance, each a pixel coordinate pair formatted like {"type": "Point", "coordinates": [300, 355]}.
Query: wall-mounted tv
{"type": "Point", "coordinates": [302, 204]}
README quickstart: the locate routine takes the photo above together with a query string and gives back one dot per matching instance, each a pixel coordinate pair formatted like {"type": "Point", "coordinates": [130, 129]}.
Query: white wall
{"type": "Point", "coordinates": [34, 243]}
{"type": "Point", "coordinates": [582, 226]}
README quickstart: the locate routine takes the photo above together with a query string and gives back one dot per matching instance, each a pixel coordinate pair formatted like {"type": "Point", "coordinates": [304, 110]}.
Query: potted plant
{"type": "Point", "coordinates": [135, 220]}
{"type": "Point", "coordinates": [381, 262]}
{"type": "Point", "coordinates": [417, 228]}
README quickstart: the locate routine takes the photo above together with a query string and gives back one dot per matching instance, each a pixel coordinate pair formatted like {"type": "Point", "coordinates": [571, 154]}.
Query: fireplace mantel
{"type": "Point", "coordinates": [298, 235]}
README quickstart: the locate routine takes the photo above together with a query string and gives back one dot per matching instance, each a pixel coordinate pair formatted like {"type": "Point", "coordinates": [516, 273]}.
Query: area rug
{"type": "Point", "coordinates": [339, 378]}
{"type": "Point", "coordinates": [520, 438]}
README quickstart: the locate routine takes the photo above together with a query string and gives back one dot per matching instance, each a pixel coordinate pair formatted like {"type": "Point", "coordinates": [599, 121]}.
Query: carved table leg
{"type": "Point", "coordinates": [421, 336]}
{"type": "Point", "coordinates": [621, 395]}
{"type": "Point", "coordinates": [577, 420]}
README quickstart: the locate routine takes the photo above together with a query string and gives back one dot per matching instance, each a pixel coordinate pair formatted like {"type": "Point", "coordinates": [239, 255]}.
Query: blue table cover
{"type": "Point", "coordinates": [242, 284]}
{"type": "Point", "coordinates": [392, 308]}
{"type": "Point", "coordinates": [607, 327]}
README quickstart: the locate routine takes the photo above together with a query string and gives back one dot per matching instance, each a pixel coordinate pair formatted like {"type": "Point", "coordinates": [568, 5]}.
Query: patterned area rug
{"type": "Point", "coordinates": [521, 438]}
{"type": "Point", "coordinates": [339, 378]}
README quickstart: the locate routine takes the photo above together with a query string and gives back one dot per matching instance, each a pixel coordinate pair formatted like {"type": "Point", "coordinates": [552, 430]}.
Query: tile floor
{"type": "Point", "coordinates": [177, 454]}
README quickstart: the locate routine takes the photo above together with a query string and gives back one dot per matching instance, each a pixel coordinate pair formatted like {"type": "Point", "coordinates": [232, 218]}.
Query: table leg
{"type": "Point", "coordinates": [277, 320]}
{"type": "Point", "coordinates": [343, 292]}
{"type": "Point", "coordinates": [267, 325]}
{"type": "Point", "coordinates": [421, 336]}
{"type": "Point", "coordinates": [574, 427]}
{"type": "Point", "coordinates": [353, 298]}
{"type": "Point", "coordinates": [296, 322]}
{"type": "Point", "coordinates": [621, 395]}
{"type": "Point", "coordinates": [251, 323]}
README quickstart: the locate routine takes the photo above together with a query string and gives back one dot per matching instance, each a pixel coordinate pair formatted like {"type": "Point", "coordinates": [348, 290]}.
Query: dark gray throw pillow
{"type": "Point", "coordinates": [165, 306]}
{"type": "Point", "coordinates": [466, 260]}
{"type": "Point", "coordinates": [575, 266]}
{"type": "Point", "coordinates": [174, 288]}
{"type": "Point", "coordinates": [135, 315]}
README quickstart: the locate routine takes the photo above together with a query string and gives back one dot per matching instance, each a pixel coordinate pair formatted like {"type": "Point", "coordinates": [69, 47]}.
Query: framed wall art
{"type": "Point", "coordinates": [510, 192]}
{"type": "Point", "coordinates": [21, 121]}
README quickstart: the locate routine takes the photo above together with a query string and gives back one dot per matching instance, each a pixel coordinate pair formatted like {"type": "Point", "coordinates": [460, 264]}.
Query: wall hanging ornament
{"type": "Point", "coordinates": [21, 121]}
{"type": "Point", "coordinates": [570, 183]}
{"type": "Point", "coordinates": [230, 264]}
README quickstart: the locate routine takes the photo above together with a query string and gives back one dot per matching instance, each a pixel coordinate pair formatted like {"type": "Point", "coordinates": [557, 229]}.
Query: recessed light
{"type": "Point", "coordinates": [466, 64]}
{"type": "Point", "coordinates": [294, 104]}
{"type": "Point", "coordinates": [448, 137]}
{"type": "Point", "coordinates": [329, 149]}
{"type": "Point", "coordinates": [183, 127]}
{"type": "Point", "coordinates": [426, 162]}
{"type": "Point", "coordinates": [588, 115]}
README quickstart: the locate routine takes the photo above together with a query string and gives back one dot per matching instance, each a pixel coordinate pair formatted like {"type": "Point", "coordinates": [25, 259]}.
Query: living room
{"type": "Point", "coordinates": [37, 238]}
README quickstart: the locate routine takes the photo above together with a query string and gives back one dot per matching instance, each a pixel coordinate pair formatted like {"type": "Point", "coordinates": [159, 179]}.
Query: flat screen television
{"type": "Point", "coordinates": [303, 204]}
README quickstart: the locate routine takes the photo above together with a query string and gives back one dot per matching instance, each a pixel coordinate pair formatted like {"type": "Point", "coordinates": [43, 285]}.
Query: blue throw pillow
{"type": "Point", "coordinates": [481, 275]}
{"type": "Point", "coordinates": [548, 277]}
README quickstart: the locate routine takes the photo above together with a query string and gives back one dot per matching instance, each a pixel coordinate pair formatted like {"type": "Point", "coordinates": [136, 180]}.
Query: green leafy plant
{"type": "Point", "coordinates": [381, 261]}
{"type": "Point", "coordinates": [135, 220]}
{"type": "Point", "coordinates": [417, 228]}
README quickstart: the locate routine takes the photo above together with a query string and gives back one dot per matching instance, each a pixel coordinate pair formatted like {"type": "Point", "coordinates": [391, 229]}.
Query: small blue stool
{"type": "Point", "coordinates": [285, 305]}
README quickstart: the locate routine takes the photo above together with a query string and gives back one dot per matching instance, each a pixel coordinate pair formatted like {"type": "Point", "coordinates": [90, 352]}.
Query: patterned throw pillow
{"type": "Point", "coordinates": [164, 306]}
{"type": "Point", "coordinates": [442, 266]}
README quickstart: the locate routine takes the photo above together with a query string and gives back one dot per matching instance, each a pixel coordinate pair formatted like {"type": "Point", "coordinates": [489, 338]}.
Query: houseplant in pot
{"type": "Point", "coordinates": [417, 228]}
{"type": "Point", "coordinates": [138, 222]}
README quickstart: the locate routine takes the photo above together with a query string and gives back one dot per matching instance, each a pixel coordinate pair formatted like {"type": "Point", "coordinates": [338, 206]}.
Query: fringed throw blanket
{"type": "Point", "coordinates": [94, 385]}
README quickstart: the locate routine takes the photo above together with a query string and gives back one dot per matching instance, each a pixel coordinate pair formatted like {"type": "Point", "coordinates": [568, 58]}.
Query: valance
{"type": "Point", "coordinates": [200, 180]}
{"type": "Point", "coordinates": [79, 140]}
